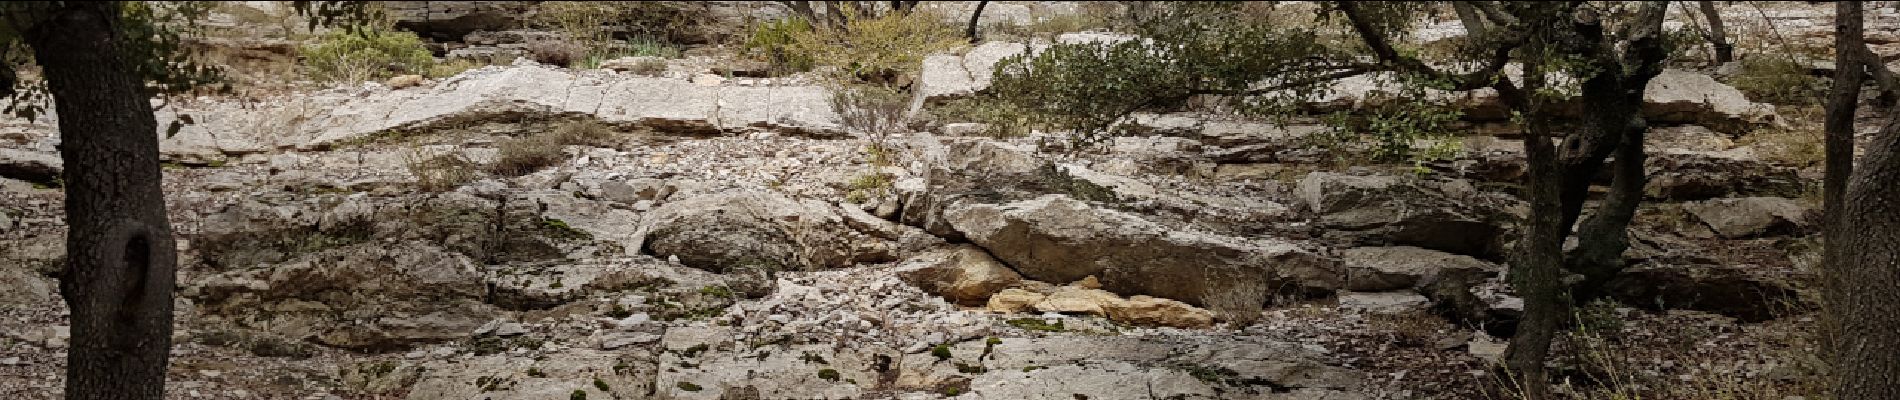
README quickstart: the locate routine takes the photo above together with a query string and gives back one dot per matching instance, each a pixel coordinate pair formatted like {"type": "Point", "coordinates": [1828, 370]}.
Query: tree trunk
{"type": "Point", "coordinates": [1718, 36]}
{"type": "Point", "coordinates": [1537, 263]}
{"type": "Point", "coordinates": [1537, 268]}
{"type": "Point", "coordinates": [1843, 101]}
{"type": "Point", "coordinates": [1862, 258]}
{"type": "Point", "coordinates": [120, 255]}
{"type": "Point", "coordinates": [974, 17]}
{"type": "Point", "coordinates": [1863, 285]}
{"type": "Point", "coordinates": [1474, 25]}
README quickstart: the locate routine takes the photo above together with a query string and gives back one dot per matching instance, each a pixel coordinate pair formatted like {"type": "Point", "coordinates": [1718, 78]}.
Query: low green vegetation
{"type": "Point", "coordinates": [941, 351]}
{"type": "Point", "coordinates": [1036, 324]}
{"type": "Point", "coordinates": [366, 53]}
{"type": "Point", "coordinates": [1778, 80]}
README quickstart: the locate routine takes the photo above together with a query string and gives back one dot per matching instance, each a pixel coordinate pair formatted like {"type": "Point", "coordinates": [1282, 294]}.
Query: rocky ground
{"type": "Point", "coordinates": [730, 238]}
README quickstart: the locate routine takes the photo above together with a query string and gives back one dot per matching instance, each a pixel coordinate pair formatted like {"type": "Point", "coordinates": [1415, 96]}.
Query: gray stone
{"type": "Point", "coordinates": [1383, 303]}
{"type": "Point", "coordinates": [1373, 269]}
{"type": "Point", "coordinates": [41, 168]}
{"type": "Point", "coordinates": [1745, 217]}
{"type": "Point", "coordinates": [748, 230]}
{"type": "Point", "coordinates": [373, 296]}
{"type": "Point", "coordinates": [1055, 238]}
{"type": "Point", "coordinates": [1444, 215]}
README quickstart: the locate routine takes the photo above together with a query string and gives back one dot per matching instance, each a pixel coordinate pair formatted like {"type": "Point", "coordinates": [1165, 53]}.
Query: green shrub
{"type": "Point", "coordinates": [877, 49]}
{"type": "Point", "coordinates": [1778, 81]}
{"type": "Point", "coordinates": [772, 42]}
{"type": "Point", "coordinates": [366, 53]}
{"type": "Point", "coordinates": [1086, 87]}
{"type": "Point", "coordinates": [873, 109]}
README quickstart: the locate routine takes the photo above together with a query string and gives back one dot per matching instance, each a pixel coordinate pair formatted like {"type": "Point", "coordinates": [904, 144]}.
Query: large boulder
{"type": "Point", "coordinates": [1056, 238]}
{"type": "Point", "coordinates": [1374, 269]}
{"type": "Point", "coordinates": [1451, 216]}
{"type": "Point", "coordinates": [30, 166]}
{"type": "Point", "coordinates": [373, 296]}
{"type": "Point", "coordinates": [1681, 175]}
{"type": "Point", "coordinates": [498, 94]}
{"type": "Point", "coordinates": [757, 230]}
{"type": "Point", "coordinates": [1685, 97]}
{"type": "Point", "coordinates": [1746, 292]}
{"type": "Point", "coordinates": [1737, 218]}
{"type": "Point", "coordinates": [963, 274]}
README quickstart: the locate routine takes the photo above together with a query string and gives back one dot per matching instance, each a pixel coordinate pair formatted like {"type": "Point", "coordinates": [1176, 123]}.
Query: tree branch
{"type": "Point", "coordinates": [1341, 74]}
{"type": "Point", "coordinates": [1468, 15]}
{"type": "Point", "coordinates": [1390, 56]}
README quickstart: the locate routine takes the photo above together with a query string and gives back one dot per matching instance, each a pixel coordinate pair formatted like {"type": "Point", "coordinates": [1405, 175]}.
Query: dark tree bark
{"type": "Point", "coordinates": [1468, 15]}
{"type": "Point", "coordinates": [1863, 283]}
{"type": "Point", "coordinates": [1537, 264]}
{"type": "Point", "coordinates": [974, 17]}
{"type": "Point", "coordinates": [1861, 262]}
{"type": "Point", "coordinates": [118, 279]}
{"type": "Point", "coordinates": [1718, 35]}
{"type": "Point", "coordinates": [1843, 101]}
{"type": "Point", "coordinates": [1558, 182]}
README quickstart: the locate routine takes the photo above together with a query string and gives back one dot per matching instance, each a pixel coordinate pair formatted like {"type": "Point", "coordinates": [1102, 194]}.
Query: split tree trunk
{"type": "Point", "coordinates": [1862, 258]}
{"type": "Point", "coordinates": [120, 255]}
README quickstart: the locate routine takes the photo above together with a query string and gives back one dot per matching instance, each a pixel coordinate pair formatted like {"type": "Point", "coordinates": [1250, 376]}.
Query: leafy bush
{"type": "Point", "coordinates": [1778, 80]}
{"type": "Point", "coordinates": [1086, 87]}
{"type": "Point", "coordinates": [772, 42]}
{"type": "Point", "coordinates": [876, 49]}
{"type": "Point", "coordinates": [367, 53]}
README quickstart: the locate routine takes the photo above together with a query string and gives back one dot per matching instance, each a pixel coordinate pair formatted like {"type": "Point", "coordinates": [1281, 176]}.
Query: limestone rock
{"type": "Point", "coordinates": [1154, 311]}
{"type": "Point", "coordinates": [1373, 269]}
{"type": "Point", "coordinates": [1383, 303]}
{"type": "Point", "coordinates": [727, 231]}
{"type": "Point", "coordinates": [372, 296]}
{"type": "Point", "coordinates": [1011, 301]}
{"type": "Point", "coordinates": [1056, 238]}
{"type": "Point", "coordinates": [1072, 300]}
{"type": "Point", "coordinates": [636, 190]}
{"type": "Point", "coordinates": [30, 166]}
{"type": "Point", "coordinates": [1681, 175]}
{"type": "Point", "coordinates": [964, 274]}
{"type": "Point", "coordinates": [1744, 292]}
{"type": "Point", "coordinates": [1736, 218]}
{"type": "Point", "coordinates": [1444, 215]}
{"type": "Point", "coordinates": [403, 81]}
{"type": "Point", "coordinates": [1678, 96]}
